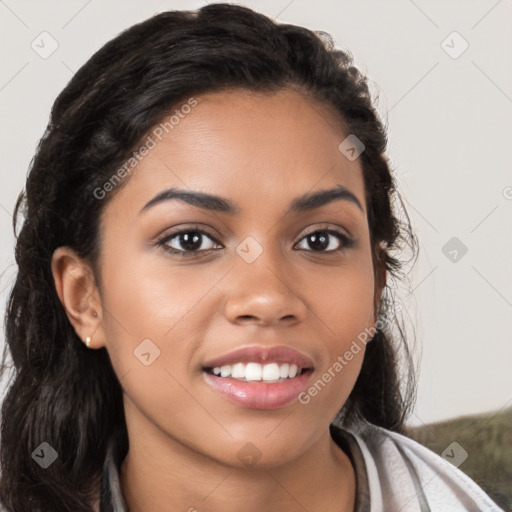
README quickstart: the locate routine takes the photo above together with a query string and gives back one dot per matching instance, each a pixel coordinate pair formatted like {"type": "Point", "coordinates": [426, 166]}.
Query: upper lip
{"type": "Point", "coordinates": [258, 354]}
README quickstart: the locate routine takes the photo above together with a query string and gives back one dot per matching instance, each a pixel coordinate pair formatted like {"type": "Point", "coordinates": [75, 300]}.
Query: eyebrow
{"type": "Point", "coordinates": [304, 203]}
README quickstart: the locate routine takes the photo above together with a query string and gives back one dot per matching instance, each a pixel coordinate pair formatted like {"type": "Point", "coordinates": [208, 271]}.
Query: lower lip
{"type": "Point", "coordinates": [259, 395]}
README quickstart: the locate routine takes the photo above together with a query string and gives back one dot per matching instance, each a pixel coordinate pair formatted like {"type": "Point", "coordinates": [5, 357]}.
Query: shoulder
{"type": "Point", "coordinates": [401, 472]}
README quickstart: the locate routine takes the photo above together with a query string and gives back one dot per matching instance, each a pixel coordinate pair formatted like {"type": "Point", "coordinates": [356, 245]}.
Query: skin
{"type": "Point", "coordinates": [260, 152]}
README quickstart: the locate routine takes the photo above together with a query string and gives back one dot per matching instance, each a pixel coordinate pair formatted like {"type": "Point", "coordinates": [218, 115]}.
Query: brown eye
{"type": "Point", "coordinates": [327, 240]}
{"type": "Point", "coordinates": [187, 242]}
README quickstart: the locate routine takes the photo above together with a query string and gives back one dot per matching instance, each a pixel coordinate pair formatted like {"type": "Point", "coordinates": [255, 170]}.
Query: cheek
{"type": "Point", "coordinates": [345, 309]}
{"type": "Point", "coordinates": [166, 305]}
{"type": "Point", "coordinates": [149, 298]}
{"type": "Point", "coordinates": [343, 302]}
{"type": "Point", "coordinates": [153, 325]}
{"type": "Point", "coordinates": [342, 299]}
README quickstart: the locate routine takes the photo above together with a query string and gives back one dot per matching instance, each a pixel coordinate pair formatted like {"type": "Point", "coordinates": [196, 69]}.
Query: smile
{"type": "Point", "coordinates": [255, 372]}
{"type": "Point", "coordinates": [260, 377]}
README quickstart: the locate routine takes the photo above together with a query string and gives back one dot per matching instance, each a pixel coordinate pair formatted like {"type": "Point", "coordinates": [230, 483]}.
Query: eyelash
{"type": "Point", "coordinates": [346, 241]}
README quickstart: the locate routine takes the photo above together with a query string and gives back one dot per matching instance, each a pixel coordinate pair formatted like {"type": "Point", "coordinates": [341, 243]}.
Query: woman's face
{"type": "Point", "coordinates": [266, 275]}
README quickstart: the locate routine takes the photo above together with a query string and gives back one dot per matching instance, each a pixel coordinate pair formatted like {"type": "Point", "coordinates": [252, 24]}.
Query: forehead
{"type": "Point", "coordinates": [249, 147]}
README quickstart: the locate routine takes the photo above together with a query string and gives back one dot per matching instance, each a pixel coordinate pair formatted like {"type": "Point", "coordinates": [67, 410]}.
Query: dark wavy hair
{"type": "Point", "coordinates": [61, 392]}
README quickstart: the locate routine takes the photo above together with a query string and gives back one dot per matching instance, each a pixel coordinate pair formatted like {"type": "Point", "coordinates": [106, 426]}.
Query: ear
{"type": "Point", "coordinates": [77, 290]}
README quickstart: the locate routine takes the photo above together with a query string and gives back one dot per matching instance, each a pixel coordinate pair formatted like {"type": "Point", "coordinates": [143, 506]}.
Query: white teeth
{"type": "Point", "coordinates": [238, 371]}
{"type": "Point", "coordinates": [270, 372]}
{"type": "Point", "coordinates": [253, 371]}
{"type": "Point", "coordinates": [283, 370]}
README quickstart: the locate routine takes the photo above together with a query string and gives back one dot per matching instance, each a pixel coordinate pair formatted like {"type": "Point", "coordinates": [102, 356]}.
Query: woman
{"type": "Point", "coordinates": [202, 316]}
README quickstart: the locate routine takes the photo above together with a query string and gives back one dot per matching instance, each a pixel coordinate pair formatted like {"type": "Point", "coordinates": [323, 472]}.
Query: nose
{"type": "Point", "coordinates": [264, 295]}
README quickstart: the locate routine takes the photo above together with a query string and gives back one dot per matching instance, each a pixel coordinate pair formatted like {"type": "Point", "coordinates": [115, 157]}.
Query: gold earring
{"type": "Point", "coordinates": [88, 341]}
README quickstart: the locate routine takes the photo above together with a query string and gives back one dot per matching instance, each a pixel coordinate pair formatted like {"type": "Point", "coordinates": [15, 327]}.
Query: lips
{"type": "Point", "coordinates": [262, 355]}
{"type": "Point", "coordinates": [260, 391]}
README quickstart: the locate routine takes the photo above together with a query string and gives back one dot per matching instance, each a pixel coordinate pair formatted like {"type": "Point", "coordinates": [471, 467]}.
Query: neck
{"type": "Point", "coordinates": [160, 473]}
